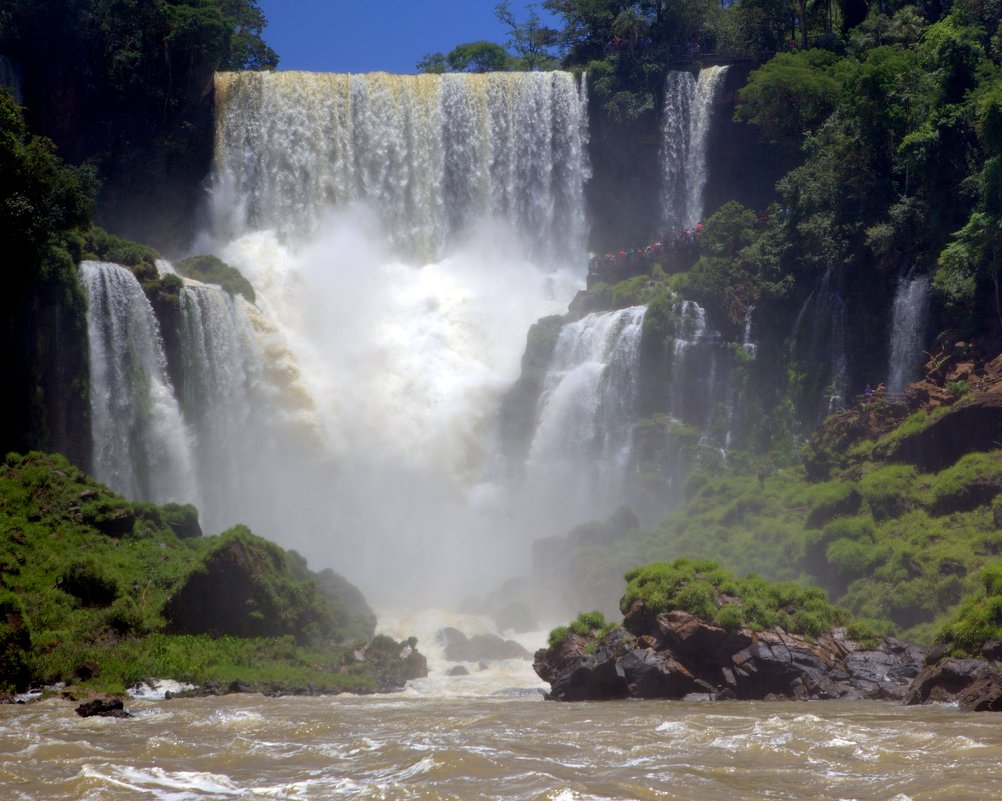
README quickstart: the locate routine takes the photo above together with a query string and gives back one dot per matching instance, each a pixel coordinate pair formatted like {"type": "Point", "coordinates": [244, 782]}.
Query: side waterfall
{"type": "Point", "coordinates": [911, 307]}
{"type": "Point", "coordinates": [142, 447]}
{"type": "Point", "coordinates": [699, 384]}
{"type": "Point", "coordinates": [581, 446]}
{"type": "Point", "coordinates": [685, 128]}
{"type": "Point", "coordinates": [819, 338]}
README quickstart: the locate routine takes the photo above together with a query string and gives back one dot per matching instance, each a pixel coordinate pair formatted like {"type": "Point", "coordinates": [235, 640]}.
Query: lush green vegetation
{"type": "Point", "coordinates": [135, 589]}
{"type": "Point", "coordinates": [704, 589]}
{"type": "Point", "coordinates": [127, 86]}
{"type": "Point", "coordinates": [979, 620]}
{"type": "Point", "coordinates": [45, 208]}
{"type": "Point", "coordinates": [212, 270]}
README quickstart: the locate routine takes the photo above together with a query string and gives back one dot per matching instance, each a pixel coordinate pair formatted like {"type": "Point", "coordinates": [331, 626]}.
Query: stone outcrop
{"type": "Point", "coordinates": [973, 424]}
{"type": "Point", "coordinates": [103, 707]}
{"type": "Point", "coordinates": [975, 685]}
{"type": "Point", "coordinates": [479, 647]}
{"type": "Point", "coordinates": [677, 656]}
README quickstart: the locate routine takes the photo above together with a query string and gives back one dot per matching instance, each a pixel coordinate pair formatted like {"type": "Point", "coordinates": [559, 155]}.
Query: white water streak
{"type": "Point", "coordinates": [582, 442]}
{"type": "Point", "coordinates": [688, 112]}
{"type": "Point", "coordinates": [142, 447]}
{"type": "Point", "coordinates": [911, 308]}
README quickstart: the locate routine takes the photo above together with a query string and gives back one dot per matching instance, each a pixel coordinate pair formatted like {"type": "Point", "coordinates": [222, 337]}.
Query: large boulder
{"type": "Point", "coordinates": [479, 647]}
{"type": "Point", "coordinates": [974, 684]}
{"type": "Point", "coordinates": [243, 588]}
{"type": "Point", "coordinates": [676, 654]}
{"type": "Point", "coordinates": [974, 424]}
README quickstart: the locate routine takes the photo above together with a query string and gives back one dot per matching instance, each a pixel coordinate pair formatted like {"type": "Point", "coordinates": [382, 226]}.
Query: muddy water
{"type": "Point", "coordinates": [507, 745]}
{"type": "Point", "coordinates": [490, 735]}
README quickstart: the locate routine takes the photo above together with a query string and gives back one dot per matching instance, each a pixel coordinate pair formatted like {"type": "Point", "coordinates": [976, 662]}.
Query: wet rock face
{"type": "Point", "coordinates": [479, 647]}
{"type": "Point", "coordinates": [975, 685]}
{"type": "Point", "coordinates": [103, 707]}
{"type": "Point", "coordinates": [678, 655]}
{"type": "Point", "coordinates": [971, 426]}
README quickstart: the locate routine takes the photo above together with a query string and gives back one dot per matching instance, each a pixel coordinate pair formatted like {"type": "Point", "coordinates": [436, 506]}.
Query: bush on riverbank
{"type": "Point", "coordinates": [132, 591]}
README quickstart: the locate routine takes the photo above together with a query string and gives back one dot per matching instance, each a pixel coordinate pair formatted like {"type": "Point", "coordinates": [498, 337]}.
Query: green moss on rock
{"type": "Point", "coordinates": [213, 270]}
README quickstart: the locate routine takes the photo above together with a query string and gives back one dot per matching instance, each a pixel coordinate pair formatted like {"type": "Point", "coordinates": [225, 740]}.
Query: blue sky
{"type": "Point", "coordinates": [370, 35]}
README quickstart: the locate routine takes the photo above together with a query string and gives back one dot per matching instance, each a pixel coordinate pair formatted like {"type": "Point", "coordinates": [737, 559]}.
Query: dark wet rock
{"type": "Point", "coordinates": [240, 686]}
{"type": "Point", "coordinates": [457, 670]}
{"type": "Point", "coordinates": [974, 684]}
{"type": "Point", "coordinates": [678, 655]}
{"type": "Point", "coordinates": [516, 617]}
{"type": "Point", "coordinates": [483, 647]}
{"type": "Point", "coordinates": [449, 635]}
{"type": "Point", "coordinates": [86, 670]}
{"type": "Point", "coordinates": [971, 425]}
{"type": "Point", "coordinates": [103, 707]}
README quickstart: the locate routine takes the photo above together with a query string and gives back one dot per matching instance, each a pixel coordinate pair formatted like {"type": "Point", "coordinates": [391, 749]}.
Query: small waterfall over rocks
{"type": "Point", "coordinates": [581, 448]}
{"type": "Point", "coordinates": [699, 384]}
{"type": "Point", "coordinates": [819, 338]}
{"type": "Point", "coordinates": [685, 128]}
{"type": "Point", "coordinates": [908, 321]}
{"type": "Point", "coordinates": [142, 446]}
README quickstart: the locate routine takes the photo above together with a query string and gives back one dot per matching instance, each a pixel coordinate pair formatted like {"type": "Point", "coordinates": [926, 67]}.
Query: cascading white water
{"type": "Point", "coordinates": [911, 308]}
{"type": "Point", "coordinates": [685, 128]}
{"type": "Point", "coordinates": [581, 446]}
{"type": "Point", "coordinates": [699, 388]}
{"type": "Point", "coordinates": [142, 447]}
{"type": "Point", "coordinates": [402, 233]}
{"type": "Point", "coordinates": [432, 155]}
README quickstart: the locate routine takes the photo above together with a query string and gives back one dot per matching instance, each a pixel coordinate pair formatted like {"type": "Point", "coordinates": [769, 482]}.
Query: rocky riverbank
{"type": "Point", "coordinates": [677, 655]}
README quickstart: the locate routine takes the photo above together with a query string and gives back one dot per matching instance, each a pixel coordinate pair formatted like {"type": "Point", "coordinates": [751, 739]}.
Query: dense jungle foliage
{"type": "Point", "coordinates": [98, 589]}
{"type": "Point", "coordinates": [126, 85]}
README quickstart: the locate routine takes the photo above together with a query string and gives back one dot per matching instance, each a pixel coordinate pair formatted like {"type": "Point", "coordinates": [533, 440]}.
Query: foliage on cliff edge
{"type": "Point", "coordinates": [88, 577]}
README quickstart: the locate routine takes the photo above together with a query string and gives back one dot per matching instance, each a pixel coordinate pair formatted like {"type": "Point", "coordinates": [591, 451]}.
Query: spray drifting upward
{"type": "Point", "coordinates": [402, 233]}
{"type": "Point", "coordinates": [431, 154]}
{"type": "Point", "coordinates": [685, 129]}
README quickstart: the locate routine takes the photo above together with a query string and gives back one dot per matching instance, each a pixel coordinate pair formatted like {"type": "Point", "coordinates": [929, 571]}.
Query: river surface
{"type": "Point", "coordinates": [509, 745]}
{"type": "Point", "coordinates": [490, 735]}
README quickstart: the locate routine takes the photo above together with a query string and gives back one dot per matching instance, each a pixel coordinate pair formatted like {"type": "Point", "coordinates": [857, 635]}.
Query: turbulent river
{"type": "Point", "coordinates": [491, 735]}
{"type": "Point", "coordinates": [507, 745]}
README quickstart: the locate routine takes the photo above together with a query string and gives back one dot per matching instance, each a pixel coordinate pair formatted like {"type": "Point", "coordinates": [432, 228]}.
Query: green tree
{"type": "Point", "coordinates": [131, 91]}
{"type": "Point", "coordinates": [481, 56]}
{"type": "Point", "coordinates": [532, 42]}
{"type": "Point", "coordinates": [44, 205]}
{"type": "Point", "coordinates": [789, 95]}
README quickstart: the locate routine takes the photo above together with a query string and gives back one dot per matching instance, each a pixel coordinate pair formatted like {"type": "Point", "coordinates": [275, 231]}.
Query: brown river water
{"type": "Point", "coordinates": [491, 736]}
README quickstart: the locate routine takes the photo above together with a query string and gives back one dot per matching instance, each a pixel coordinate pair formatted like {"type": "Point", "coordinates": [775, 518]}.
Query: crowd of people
{"type": "Point", "coordinates": [683, 239]}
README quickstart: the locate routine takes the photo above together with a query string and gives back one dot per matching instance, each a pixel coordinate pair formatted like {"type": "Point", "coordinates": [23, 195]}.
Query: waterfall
{"type": "Point", "coordinates": [911, 307]}
{"type": "Point", "coordinates": [142, 446]}
{"type": "Point", "coordinates": [220, 365]}
{"type": "Point", "coordinates": [581, 447]}
{"type": "Point", "coordinates": [819, 341]}
{"type": "Point", "coordinates": [685, 128]}
{"type": "Point", "coordinates": [430, 154]}
{"type": "Point", "coordinates": [10, 78]}
{"type": "Point", "coordinates": [699, 387]}
{"type": "Point", "coordinates": [402, 233]}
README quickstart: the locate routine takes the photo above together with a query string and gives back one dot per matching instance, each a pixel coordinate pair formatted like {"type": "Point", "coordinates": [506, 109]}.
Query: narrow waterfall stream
{"type": "Point", "coordinates": [908, 321]}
